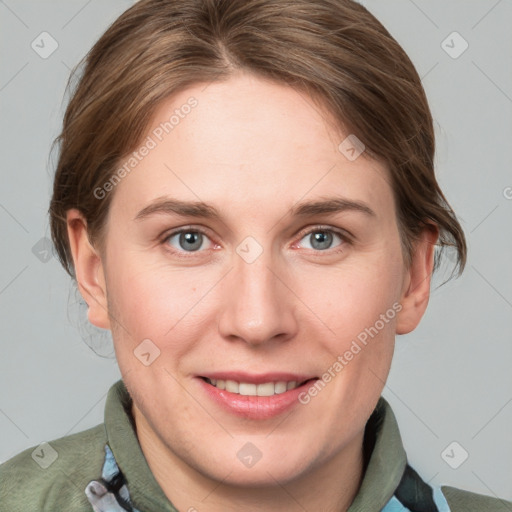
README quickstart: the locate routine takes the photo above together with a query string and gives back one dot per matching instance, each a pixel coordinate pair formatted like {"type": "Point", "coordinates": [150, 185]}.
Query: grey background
{"type": "Point", "coordinates": [451, 379]}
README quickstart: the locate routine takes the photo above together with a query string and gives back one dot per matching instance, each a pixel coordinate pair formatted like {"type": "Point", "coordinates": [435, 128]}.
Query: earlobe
{"type": "Point", "coordinates": [416, 287]}
{"type": "Point", "coordinates": [88, 270]}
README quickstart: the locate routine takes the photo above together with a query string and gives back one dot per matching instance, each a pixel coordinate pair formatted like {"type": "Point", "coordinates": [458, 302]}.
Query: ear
{"type": "Point", "coordinates": [88, 270]}
{"type": "Point", "coordinates": [416, 286]}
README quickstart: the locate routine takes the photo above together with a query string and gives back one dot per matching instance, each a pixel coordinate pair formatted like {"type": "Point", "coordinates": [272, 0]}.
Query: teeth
{"type": "Point", "coordinates": [232, 386]}
{"type": "Point", "coordinates": [280, 387]}
{"type": "Point", "coordinates": [249, 389]}
{"type": "Point", "coordinates": [291, 385]}
{"type": "Point", "coordinates": [266, 389]}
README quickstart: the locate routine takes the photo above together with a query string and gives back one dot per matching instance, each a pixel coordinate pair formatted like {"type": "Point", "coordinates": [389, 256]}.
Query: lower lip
{"type": "Point", "coordinates": [255, 407]}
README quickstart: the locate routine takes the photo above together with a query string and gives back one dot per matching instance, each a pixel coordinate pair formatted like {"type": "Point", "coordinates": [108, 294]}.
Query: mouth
{"type": "Point", "coordinates": [269, 388]}
{"type": "Point", "coordinates": [255, 397]}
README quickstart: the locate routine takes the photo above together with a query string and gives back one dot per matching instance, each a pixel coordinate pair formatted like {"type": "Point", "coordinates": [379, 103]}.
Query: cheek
{"type": "Point", "coordinates": [352, 298]}
{"type": "Point", "coordinates": [157, 302]}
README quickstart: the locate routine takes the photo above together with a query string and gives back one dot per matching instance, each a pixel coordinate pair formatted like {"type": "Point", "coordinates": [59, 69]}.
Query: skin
{"type": "Point", "coordinates": [253, 149]}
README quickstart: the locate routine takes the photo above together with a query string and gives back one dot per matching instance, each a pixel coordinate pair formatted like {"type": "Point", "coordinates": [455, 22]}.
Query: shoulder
{"type": "Point", "coordinates": [53, 476]}
{"type": "Point", "coordinates": [465, 501]}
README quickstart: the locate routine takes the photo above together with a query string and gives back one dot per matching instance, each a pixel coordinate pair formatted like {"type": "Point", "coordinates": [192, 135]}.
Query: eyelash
{"type": "Point", "coordinates": [344, 236]}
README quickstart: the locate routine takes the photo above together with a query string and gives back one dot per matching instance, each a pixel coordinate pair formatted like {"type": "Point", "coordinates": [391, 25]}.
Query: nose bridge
{"type": "Point", "coordinates": [259, 307]}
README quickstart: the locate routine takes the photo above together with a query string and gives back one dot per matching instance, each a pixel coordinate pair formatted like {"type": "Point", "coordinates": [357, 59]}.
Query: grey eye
{"type": "Point", "coordinates": [189, 241]}
{"type": "Point", "coordinates": [320, 240]}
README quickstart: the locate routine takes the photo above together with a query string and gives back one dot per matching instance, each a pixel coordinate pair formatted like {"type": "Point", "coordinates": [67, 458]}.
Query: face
{"type": "Point", "coordinates": [242, 250]}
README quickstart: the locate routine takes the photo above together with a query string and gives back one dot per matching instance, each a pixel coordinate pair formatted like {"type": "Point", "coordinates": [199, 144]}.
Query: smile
{"type": "Point", "coordinates": [251, 389]}
{"type": "Point", "coordinates": [254, 396]}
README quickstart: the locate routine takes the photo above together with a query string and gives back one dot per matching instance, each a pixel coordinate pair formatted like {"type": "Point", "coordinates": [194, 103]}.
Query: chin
{"type": "Point", "coordinates": [262, 474]}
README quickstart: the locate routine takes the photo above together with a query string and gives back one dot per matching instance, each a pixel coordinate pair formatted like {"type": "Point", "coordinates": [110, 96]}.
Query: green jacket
{"type": "Point", "coordinates": [104, 469]}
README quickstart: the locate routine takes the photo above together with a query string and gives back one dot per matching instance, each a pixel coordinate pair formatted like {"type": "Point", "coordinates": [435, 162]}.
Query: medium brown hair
{"type": "Point", "coordinates": [335, 50]}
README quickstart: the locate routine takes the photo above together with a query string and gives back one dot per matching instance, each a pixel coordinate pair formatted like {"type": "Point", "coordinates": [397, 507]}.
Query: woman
{"type": "Point", "coordinates": [289, 143]}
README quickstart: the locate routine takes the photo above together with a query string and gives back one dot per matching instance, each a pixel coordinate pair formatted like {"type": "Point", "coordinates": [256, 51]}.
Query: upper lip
{"type": "Point", "coordinates": [258, 378]}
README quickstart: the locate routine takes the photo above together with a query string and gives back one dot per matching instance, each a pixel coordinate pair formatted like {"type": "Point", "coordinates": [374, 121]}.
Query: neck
{"type": "Point", "coordinates": [331, 487]}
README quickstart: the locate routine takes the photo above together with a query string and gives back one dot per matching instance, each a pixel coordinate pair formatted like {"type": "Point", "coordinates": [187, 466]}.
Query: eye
{"type": "Point", "coordinates": [188, 240]}
{"type": "Point", "coordinates": [320, 239]}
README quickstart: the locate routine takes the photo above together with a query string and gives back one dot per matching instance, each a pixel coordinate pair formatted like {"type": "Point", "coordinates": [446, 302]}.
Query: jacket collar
{"type": "Point", "coordinates": [386, 460]}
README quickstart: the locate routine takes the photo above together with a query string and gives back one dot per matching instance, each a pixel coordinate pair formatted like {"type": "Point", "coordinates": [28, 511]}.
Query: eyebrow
{"type": "Point", "coordinates": [203, 210]}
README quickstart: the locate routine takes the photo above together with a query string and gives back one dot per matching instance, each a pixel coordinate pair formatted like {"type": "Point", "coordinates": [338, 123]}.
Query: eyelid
{"type": "Point", "coordinates": [343, 234]}
{"type": "Point", "coordinates": [347, 236]}
{"type": "Point", "coordinates": [184, 229]}
{"type": "Point", "coordinates": [194, 228]}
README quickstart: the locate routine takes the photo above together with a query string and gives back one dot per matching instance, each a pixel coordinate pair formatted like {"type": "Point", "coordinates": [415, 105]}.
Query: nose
{"type": "Point", "coordinates": [259, 306]}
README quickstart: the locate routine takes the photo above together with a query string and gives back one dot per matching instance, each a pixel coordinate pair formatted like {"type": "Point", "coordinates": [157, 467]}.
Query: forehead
{"type": "Point", "coordinates": [247, 144]}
